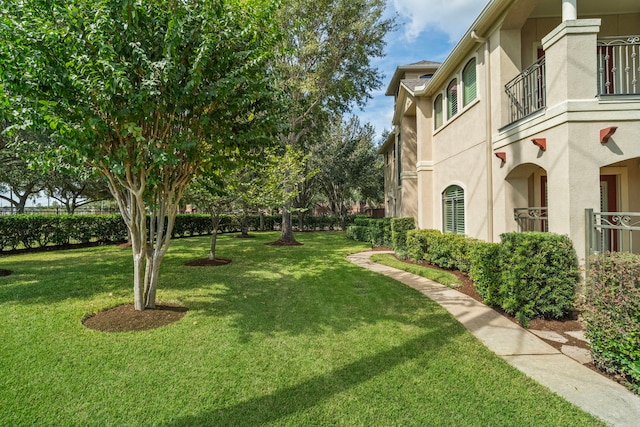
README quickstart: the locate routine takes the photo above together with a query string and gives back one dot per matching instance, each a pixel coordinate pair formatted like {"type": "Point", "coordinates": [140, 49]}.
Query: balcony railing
{"type": "Point", "coordinates": [527, 92]}
{"type": "Point", "coordinates": [531, 219]}
{"type": "Point", "coordinates": [619, 65]}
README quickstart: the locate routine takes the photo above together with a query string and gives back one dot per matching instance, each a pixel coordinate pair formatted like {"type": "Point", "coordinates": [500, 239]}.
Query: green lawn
{"type": "Point", "coordinates": [281, 336]}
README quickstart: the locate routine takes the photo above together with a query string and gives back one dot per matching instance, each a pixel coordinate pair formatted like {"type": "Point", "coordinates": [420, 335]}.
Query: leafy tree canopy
{"type": "Point", "coordinates": [148, 92]}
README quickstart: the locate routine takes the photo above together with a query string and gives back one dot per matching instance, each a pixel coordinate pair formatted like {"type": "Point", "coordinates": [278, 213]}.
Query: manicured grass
{"type": "Point", "coordinates": [442, 277]}
{"type": "Point", "coordinates": [281, 336]}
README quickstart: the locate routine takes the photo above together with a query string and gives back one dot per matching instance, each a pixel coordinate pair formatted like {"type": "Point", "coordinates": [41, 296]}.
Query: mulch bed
{"type": "Point", "coordinates": [206, 262]}
{"type": "Point", "coordinates": [125, 318]}
{"type": "Point", "coordinates": [283, 243]}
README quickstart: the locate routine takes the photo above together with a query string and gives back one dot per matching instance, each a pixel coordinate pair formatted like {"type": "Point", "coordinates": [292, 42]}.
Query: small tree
{"type": "Point", "coordinates": [209, 194]}
{"type": "Point", "coordinates": [149, 93]}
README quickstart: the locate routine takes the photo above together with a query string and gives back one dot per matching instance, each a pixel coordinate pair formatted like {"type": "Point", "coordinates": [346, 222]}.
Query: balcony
{"type": "Point", "coordinates": [526, 92]}
{"type": "Point", "coordinates": [619, 65]}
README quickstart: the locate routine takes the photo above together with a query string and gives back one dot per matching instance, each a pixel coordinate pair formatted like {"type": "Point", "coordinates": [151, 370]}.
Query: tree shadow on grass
{"type": "Point", "coordinates": [287, 401]}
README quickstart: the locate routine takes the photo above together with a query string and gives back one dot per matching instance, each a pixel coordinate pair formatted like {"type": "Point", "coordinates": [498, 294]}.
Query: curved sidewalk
{"type": "Point", "coordinates": [578, 384]}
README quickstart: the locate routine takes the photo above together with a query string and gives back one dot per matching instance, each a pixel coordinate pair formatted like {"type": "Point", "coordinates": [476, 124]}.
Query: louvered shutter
{"type": "Point", "coordinates": [453, 210]}
{"type": "Point", "coordinates": [469, 87]}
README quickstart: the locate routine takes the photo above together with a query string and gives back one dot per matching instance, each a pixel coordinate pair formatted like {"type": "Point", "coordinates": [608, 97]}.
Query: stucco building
{"type": "Point", "coordinates": [532, 119]}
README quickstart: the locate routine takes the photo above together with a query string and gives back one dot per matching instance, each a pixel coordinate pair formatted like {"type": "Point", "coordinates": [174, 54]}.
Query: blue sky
{"type": "Point", "coordinates": [427, 30]}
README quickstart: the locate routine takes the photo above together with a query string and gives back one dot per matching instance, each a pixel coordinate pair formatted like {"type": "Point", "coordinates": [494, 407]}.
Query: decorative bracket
{"type": "Point", "coordinates": [502, 156]}
{"type": "Point", "coordinates": [606, 133]}
{"type": "Point", "coordinates": [540, 142]}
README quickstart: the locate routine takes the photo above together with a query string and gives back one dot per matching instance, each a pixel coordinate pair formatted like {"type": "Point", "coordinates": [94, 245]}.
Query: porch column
{"type": "Point", "coordinates": [424, 166]}
{"type": "Point", "coordinates": [569, 10]}
{"type": "Point", "coordinates": [571, 61]}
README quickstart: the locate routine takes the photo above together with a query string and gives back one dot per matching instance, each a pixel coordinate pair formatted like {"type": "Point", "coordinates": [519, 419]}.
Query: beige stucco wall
{"type": "Point", "coordinates": [409, 177]}
{"type": "Point", "coordinates": [459, 158]}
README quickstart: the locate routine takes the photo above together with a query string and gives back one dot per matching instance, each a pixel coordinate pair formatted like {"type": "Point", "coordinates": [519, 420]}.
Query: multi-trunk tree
{"type": "Point", "coordinates": [147, 92]}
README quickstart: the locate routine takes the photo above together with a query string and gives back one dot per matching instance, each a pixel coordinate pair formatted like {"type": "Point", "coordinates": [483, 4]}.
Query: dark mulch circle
{"type": "Point", "coordinates": [5, 272]}
{"type": "Point", "coordinates": [206, 262]}
{"type": "Point", "coordinates": [125, 318]}
{"type": "Point", "coordinates": [283, 243]}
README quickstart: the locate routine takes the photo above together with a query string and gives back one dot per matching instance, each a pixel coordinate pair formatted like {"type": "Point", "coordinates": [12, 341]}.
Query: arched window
{"type": "Point", "coordinates": [437, 112]}
{"type": "Point", "coordinates": [452, 99]}
{"type": "Point", "coordinates": [469, 87]}
{"type": "Point", "coordinates": [453, 210]}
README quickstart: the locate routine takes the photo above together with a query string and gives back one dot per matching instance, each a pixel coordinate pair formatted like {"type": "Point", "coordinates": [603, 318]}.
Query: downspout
{"type": "Point", "coordinates": [475, 37]}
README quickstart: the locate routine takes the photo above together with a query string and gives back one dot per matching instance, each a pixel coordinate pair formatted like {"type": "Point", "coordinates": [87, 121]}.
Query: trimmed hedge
{"type": "Point", "coordinates": [539, 275]}
{"type": "Point", "coordinates": [612, 314]}
{"type": "Point", "coordinates": [419, 243]}
{"type": "Point", "coordinates": [527, 275]}
{"type": "Point", "coordinates": [399, 229]}
{"type": "Point", "coordinates": [377, 232]}
{"type": "Point", "coordinates": [485, 271]}
{"type": "Point", "coordinates": [31, 231]}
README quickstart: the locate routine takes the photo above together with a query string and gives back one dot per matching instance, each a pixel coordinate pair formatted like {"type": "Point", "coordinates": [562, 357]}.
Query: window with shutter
{"type": "Point", "coordinates": [452, 99]}
{"type": "Point", "coordinates": [469, 91]}
{"type": "Point", "coordinates": [437, 112]}
{"type": "Point", "coordinates": [453, 210]}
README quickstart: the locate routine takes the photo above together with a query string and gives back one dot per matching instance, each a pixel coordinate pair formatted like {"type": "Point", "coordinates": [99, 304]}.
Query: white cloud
{"type": "Point", "coordinates": [452, 17]}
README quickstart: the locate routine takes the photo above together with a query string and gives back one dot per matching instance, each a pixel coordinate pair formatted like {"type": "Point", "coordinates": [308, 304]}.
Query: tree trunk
{"type": "Point", "coordinates": [215, 220]}
{"type": "Point", "coordinates": [261, 221]}
{"type": "Point", "coordinates": [286, 234]}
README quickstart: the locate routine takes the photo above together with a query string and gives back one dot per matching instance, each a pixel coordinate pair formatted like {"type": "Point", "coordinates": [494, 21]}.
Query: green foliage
{"type": "Point", "coordinates": [612, 314]}
{"type": "Point", "coordinates": [359, 233]}
{"type": "Point", "coordinates": [377, 232]}
{"type": "Point", "coordinates": [399, 228]}
{"type": "Point", "coordinates": [446, 250]}
{"type": "Point", "coordinates": [380, 232]}
{"type": "Point", "coordinates": [539, 275]}
{"type": "Point", "coordinates": [32, 231]}
{"type": "Point", "coordinates": [485, 271]}
{"type": "Point", "coordinates": [419, 242]}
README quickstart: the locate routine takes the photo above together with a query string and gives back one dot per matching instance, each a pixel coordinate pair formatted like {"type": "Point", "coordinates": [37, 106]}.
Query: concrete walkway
{"type": "Point", "coordinates": [578, 384]}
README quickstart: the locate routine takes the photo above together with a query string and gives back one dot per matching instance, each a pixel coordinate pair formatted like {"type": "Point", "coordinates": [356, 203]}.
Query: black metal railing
{"type": "Point", "coordinates": [527, 91]}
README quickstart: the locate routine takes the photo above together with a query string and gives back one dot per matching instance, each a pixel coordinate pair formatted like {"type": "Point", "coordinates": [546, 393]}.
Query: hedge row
{"type": "Point", "coordinates": [31, 231]}
{"type": "Point", "coordinates": [377, 232]}
{"type": "Point", "coordinates": [612, 314]}
{"type": "Point", "coordinates": [527, 275]}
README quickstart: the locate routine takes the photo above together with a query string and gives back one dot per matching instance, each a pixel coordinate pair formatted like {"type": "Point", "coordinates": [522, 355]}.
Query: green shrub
{"type": "Point", "coordinates": [540, 275]}
{"type": "Point", "coordinates": [399, 228]}
{"type": "Point", "coordinates": [359, 233]}
{"type": "Point", "coordinates": [612, 314]}
{"type": "Point", "coordinates": [445, 249]}
{"type": "Point", "coordinates": [486, 270]}
{"type": "Point", "coordinates": [380, 232]}
{"type": "Point", "coordinates": [419, 241]}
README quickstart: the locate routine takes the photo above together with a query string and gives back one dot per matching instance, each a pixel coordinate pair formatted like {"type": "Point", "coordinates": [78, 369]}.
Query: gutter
{"type": "Point", "coordinates": [483, 23]}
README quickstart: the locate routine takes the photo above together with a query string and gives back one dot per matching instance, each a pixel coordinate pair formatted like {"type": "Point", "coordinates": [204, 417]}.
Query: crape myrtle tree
{"type": "Point", "coordinates": [326, 68]}
{"type": "Point", "coordinates": [147, 92]}
{"type": "Point", "coordinates": [253, 182]}
{"type": "Point", "coordinates": [211, 196]}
